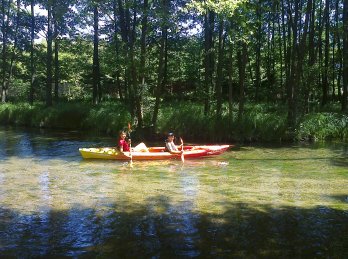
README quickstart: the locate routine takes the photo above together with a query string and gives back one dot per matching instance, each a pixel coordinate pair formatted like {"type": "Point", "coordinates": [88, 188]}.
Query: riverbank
{"type": "Point", "coordinates": [260, 123]}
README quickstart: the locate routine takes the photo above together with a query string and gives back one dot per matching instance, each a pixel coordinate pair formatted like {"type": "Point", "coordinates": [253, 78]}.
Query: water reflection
{"type": "Point", "coordinates": [54, 204]}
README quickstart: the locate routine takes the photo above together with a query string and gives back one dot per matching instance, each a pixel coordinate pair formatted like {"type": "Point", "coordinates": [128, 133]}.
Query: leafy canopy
{"type": "Point", "coordinates": [224, 7]}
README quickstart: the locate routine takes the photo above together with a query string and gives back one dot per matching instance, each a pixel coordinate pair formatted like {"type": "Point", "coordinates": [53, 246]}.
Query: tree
{"type": "Point", "coordinates": [96, 67]}
{"type": "Point", "coordinates": [345, 56]}
{"type": "Point", "coordinates": [49, 72]}
{"type": "Point", "coordinates": [162, 61]}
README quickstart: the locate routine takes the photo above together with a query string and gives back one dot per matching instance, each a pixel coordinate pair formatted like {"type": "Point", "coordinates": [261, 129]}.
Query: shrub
{"type": "Point", "coordinates": [323, 126]}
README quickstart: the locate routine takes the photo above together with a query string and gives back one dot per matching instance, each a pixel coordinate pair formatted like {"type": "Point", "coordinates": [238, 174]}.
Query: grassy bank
{"type": "Point", "coordinates": [261, 122]}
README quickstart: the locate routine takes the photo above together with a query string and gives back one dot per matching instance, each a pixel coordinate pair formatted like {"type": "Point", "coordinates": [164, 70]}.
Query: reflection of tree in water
{"type": "Point", "coordinates": [160, 229]}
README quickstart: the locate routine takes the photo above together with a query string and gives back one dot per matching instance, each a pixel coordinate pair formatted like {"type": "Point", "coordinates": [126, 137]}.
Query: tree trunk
{"type": "Point", "coordinates": [32, 63]}
{"type": "Point", "coordinates": [325, 81]}
{"type": "Point", "coordinates": [117, 54]}
{"type": "Point", "coordinates": [221, 46]}
{"type": "Point", "coordinates": [208, 58]}
{"type": "Point", "coordinates": [141, 82]}
{"type": "Point", "coordinates": [345, 56]}
{"type": "Point", "coordinates": [56, 53]}
{"type": "Point", "coordinates": [96, 68]}
{"type": "Point", "coordinates": [5, 25]}
{"type": "Point", "coordinates": [311, 59]}
{"type": "Point", "coordinates": [230, 84]}
{"type": "Point", "coordinates": [49, 55]}
{"type": "Point", "coordinates": [258, 50]}
{"type": "Point", "coordinates": [281, 56]}
{"type": "Point", "coordinates": [162, 66]}
{"type": "Point", "coordinates": [242, 61]}
{"type": "Point", "coordinates": [15, 42]}
{"type": "Point", "coordinates": [292, 84]}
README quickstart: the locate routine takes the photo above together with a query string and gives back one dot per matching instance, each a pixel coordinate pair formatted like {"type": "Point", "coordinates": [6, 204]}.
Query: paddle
{"type": "Point", "coordinates": [130, 146]}
{"type": "Point", "coordinates": [182, 150]}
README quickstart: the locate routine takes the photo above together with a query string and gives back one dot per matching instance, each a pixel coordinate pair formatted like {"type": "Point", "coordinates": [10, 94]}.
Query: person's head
{"type": "Point", "coordinates": [170, 136]}
{"type": "Point", "coordinates": [122, 134]}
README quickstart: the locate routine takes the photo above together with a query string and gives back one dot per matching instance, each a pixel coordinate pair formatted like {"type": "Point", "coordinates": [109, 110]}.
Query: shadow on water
{"type": "Point", "coordinates": [159, 228]}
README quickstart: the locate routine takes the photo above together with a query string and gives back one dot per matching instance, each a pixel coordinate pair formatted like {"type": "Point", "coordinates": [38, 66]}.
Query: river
{"type": "Point", "coordinates": [274, 201]}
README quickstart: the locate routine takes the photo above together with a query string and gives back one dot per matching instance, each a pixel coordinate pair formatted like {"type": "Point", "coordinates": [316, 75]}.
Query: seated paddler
{"type": "Point", "coordinates": [170, 145]}
{"type": "Point", "coordinates": [123, 144]}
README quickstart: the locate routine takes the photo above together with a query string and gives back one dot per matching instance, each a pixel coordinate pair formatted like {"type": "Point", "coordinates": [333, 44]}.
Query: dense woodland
{"type": "Point", "coordinates": [220, 55]}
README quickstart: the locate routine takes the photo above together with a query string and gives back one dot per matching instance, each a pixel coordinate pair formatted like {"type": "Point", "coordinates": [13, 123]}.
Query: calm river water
{"type": "Point", "coordinates": [250, 202]}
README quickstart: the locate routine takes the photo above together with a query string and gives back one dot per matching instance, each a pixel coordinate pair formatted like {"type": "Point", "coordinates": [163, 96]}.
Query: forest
{"type": "Point", "coordinates": [217, 70]}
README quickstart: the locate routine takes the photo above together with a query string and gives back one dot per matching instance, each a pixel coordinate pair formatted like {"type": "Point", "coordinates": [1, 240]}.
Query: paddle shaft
{"type": "Point", "coordinates": [182, 150]}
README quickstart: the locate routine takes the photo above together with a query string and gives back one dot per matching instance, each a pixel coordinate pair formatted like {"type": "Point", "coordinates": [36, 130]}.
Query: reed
{"type": "Point", "coordinates": [323, 126]}
{"type": "Point", "coordinates": [259, 123]}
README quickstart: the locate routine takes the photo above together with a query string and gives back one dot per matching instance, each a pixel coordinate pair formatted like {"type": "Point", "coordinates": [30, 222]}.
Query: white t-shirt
{"type": "Point", "coordinates": [171, 146]}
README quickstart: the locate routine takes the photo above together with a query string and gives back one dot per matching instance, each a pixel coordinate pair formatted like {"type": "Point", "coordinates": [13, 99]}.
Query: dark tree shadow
{"type": "Point", "coordinates": [160, 229]}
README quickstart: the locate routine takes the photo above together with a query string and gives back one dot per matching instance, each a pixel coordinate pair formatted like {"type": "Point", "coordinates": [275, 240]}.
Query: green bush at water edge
{"type": "Point", "coordinates": [260, 122]}
{"type": "Point", "coordinates": [107, 117]}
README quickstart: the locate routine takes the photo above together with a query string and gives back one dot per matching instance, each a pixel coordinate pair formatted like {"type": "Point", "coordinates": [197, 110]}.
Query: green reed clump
{"type": "Point", "coordinates": [323, 126]}
{"type": "Point", "coordinates": [186, 119]}
{"type": "Point", "coordinates": [61, 115]}
{"type": "Point", "coordinates": [17, 114]}
{"type": "Point", "coordinates": [107, 117]}
{"type": "Point", "coordinates": [262, 122]}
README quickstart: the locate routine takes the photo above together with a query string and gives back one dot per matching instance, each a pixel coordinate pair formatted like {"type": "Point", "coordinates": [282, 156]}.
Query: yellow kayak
{"type": "Point", "coordinates": [141, 152]}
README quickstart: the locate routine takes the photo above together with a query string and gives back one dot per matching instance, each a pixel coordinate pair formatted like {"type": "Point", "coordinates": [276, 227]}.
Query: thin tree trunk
{"type": "Point", "coordinates": [325, 81]}
{"type": "Point", "coordinates": [293, 76]}
{"type": "Point", "coordinates": [142, 64]}
{"type": "Point", "coordinates": [208, 58]}
{"type": "Point", "coordinates": [117, 54]}
{"type": "Point", "coordinates": [339, 52]}
{"type": "Point", "coordinates": [230, 84]}
{"type": "Point", "coordinates": [258, 50]}
{"type": "Point", "coordinates": [280, 53]}
{"type": "Point", "coordinates": [56, 53]}
{"type": "Point", "coordinates": [345, 56]}
{"type": "Point", "coordinates": [162, 67]}
{"type": "Point", "coordinates": [311, 59]}
{"type": "Point", "coordinates": [221, 46]}
{"type": "Point", "coordinates": [242, 61]}
{"type": "Point", "coordinates": [32, 63]}
{"type": "Point", "coordinates": [49, 55]}
{"type": "Point", "coordinates": [5, 25]}
{"type": "Point", "coordinates": [13, 54]}
{"type": "Point", "coordinates": [96, 69]}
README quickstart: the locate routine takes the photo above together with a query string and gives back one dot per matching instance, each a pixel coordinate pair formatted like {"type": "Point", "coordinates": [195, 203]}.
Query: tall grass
{"type": "Point", "coordinates": [323, 126]}
{"type": "Point", "coordinates": [260, 122]}
{"type": "Point", "coordinates": [108, 117]}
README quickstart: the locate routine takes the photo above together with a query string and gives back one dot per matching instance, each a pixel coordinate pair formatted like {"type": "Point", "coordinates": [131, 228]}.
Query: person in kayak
{"type": "Point", "coordinates": [123, 144]}
{"type": "Point", "coordinates": [170, 146]}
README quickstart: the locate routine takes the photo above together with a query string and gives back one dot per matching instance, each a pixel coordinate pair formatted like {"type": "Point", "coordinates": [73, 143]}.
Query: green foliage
{"type": "Point", "coordinates": [263, 122]}
{"type": "Point", "coordinates": [186, 119]}
{"type": "Point", "coordinates": [323, 126]}
{"type": "Point", "coordinates": [19, 114]}
{"type": "Point", "coordinates": [260, 122]}
{"type": "Point", "coordinates": [107, 118]}
{"type": "Point", "coordinates": [226, 7]}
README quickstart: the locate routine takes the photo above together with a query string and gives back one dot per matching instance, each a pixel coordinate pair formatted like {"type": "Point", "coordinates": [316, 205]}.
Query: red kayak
{"type": "Point", "coordinates": [141, 152]}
